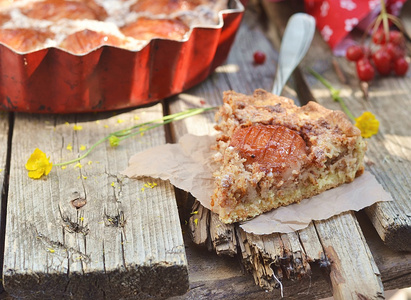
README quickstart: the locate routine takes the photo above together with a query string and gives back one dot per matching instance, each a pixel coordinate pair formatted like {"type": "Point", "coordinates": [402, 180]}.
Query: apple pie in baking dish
{"type": "Point", "coordinates": [274, 153]}
{"type": "Point", "coordinates": [79, 26]}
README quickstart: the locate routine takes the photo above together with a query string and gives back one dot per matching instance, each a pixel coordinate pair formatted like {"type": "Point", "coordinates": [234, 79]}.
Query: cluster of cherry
{"type": "Point", "coordinates": [386, 55]}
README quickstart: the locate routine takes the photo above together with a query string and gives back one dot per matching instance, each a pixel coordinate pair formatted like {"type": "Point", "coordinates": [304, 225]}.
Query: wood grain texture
{"type": "Point", "coordinates": [4, 133]}
{"type": "Point", "coordinates": [4, 136]}
{"type": "Point", "coordinates": [395, 267]}
{"type": "Point", "coordinates": [125, 242]}
{"type": "Point", "coordinates": [353, 271]}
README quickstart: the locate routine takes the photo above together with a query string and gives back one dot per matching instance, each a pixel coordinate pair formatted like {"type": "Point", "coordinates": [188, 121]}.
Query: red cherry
{"type": "Point", "coordinates": [400, 66]}
{"type": "Point", "coordinates": [378, 37]}
{"type": "Point", "coordinates": [354, 53]}
{"type": "Point", "coordinates": [382, 61]}
{"type": "Point", "coordinates": [259, 57]}
{"type": "Point", "coordinates": [365, 70]}
{"type": "Point", "coordinates": [394, 51]}
{"type": "Point", "coordinates": [396, 37]}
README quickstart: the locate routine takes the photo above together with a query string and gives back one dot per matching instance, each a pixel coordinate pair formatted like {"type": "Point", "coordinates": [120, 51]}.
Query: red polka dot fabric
{"type": "Point", "coordinates": [336, 18]}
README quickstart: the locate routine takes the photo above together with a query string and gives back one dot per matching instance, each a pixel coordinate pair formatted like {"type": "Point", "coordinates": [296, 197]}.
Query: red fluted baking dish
{"type": "Point", "coordinates": [54, 81]}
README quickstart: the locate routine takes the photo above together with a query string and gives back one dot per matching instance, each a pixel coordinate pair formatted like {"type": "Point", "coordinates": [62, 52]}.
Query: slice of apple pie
{"type": "Point", "coordinates": [274, 153]}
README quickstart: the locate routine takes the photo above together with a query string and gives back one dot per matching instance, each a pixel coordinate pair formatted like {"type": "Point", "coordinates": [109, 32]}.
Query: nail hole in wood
{"type": "Point", "coordinates": [78, 203]}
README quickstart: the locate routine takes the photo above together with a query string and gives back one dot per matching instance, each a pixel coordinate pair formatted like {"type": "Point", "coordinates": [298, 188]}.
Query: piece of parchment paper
{"type": "Point", "coordinates": [188, 165]}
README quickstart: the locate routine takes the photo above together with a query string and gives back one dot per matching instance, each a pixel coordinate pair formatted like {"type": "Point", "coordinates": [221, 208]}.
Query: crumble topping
{"type": "Point", "coordinates": [274, 153]}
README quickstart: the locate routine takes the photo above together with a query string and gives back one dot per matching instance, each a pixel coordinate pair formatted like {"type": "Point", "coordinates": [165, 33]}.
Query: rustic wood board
{"type": "Point", "coordinates": [125, 242]}
{"type": "Point", "coordinates": [352, 276]}
{"type": "Point", "coordinates": [282, 256]}
{"type": "Point", "coordinates": [4, 133]}
{"type": "Point", "coordinates": [395, 267]}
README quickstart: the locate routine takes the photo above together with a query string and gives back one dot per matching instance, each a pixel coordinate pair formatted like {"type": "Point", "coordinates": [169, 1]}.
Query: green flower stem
{"type": "Point", "coordinates": [173, 117]}
{"type": "Point", "coordinates": [384, 17]}
{"type": "Point", "coordinates": [85, 154]}
{"type": "Point", "coordinates": [131, 131]}
{"type": "Point", "coordinates": [335, 94]}
{"type": "Point", "coordinates": [166, 120]}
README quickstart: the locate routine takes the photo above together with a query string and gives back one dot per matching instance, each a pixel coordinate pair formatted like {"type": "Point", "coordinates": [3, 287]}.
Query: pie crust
{"type": "Point", "coordinates": [273, 153]}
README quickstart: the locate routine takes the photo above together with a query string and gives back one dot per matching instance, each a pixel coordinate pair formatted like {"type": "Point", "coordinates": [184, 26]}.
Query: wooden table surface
{"type": "Point", "coordinates": [130, 241]}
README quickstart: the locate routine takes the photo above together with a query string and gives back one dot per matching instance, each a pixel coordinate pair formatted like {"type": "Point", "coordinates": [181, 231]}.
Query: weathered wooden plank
{"type": "Point", "coordinates": [395, 267]}
{"type": "Point", "coordinates": [312, 246]}
{"type": "Point", "coordinates": [354, 273]}
{"type": "Point", "coordinates": [125, 242]}
{"type": "Point", "coordinates": [4, 133]}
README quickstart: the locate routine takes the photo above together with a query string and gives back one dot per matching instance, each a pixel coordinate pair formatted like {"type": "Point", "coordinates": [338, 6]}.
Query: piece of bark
{"type": "Point", "coordinates": [222, 236]}
{"type": "Point", "coordinates": [199, 225]}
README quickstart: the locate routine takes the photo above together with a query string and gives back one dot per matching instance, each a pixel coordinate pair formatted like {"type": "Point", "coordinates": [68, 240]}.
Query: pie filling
{"type": "Point", "coordinates": [79, 26]}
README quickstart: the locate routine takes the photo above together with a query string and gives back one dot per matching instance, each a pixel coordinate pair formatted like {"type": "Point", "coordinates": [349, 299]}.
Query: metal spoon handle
{"type": "Point", "coordinates": [296, 40]}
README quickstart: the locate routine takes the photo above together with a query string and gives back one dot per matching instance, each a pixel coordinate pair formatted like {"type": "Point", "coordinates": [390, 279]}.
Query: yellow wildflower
{"type": "Point", "coordinates": [82, 148]}
{"type": "Point", "coordinates": [89, 162]}
{"type": "Point", "coordinates": [114, 141]}
{"type": "Point", "coordinates": [119, 121]}
{"type": "Point", "coordinates": [106, 126]}
{"type": "Point", "coordinates": [77, 127]}
{"type": "Point", "coordinates": [368, 124]}
{"type": "Point", "coordinates": [78, 165]}
{"type": "Point", "coordinates": [196, 221]}
{"type": "Point", "coordinates": [38, 164]}
{"type": "Point", "coordinates": [63, 167]}
{"type": "Point", "coordinates": [69, 147]}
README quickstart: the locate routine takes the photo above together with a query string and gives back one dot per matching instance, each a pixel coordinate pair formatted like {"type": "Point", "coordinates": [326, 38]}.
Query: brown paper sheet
{"type": "Point", "coordinates": [188, 165]}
